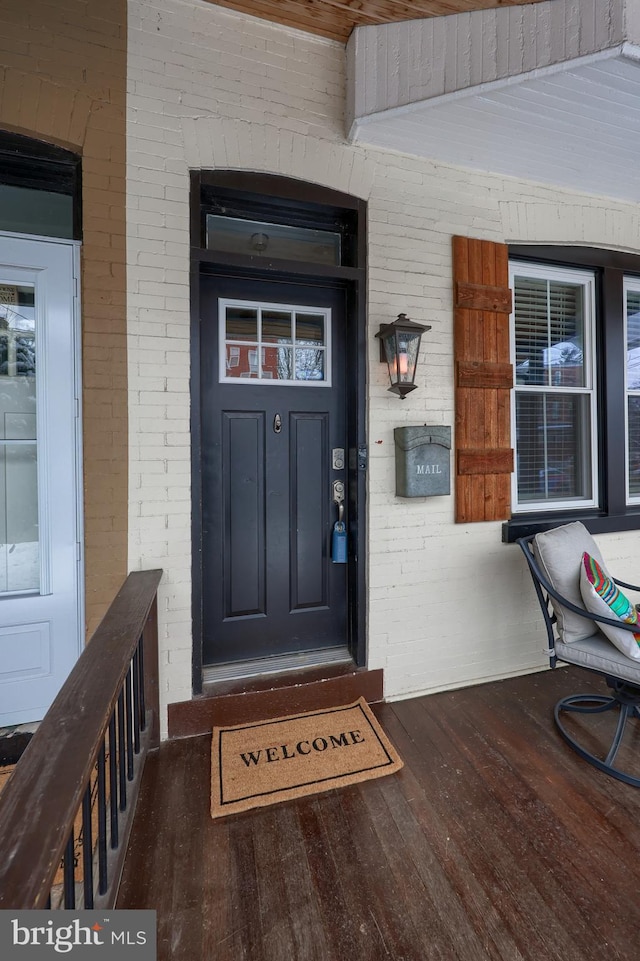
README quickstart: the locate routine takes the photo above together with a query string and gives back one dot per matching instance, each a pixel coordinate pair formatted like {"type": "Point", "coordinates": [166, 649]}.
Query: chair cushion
{"type": "Point", "coordinates": [596, 653]}
{"type": "Point", "coordinates": [601, 596]}
{"type": "Point", "coordinates": [559, 554]}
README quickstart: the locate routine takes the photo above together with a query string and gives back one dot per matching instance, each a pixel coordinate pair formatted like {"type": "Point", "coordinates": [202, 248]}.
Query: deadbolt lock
{"type": "Point", "coordinates": [337, 458]}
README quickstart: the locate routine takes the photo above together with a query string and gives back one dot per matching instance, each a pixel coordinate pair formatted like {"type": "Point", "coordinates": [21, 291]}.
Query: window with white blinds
{"type": "Point", "coordinates": [554, 399]}
{"type": "Point", "coordinates": [632, 387]}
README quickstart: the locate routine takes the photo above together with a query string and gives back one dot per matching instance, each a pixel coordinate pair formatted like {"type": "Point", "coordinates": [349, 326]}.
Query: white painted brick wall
{"type": "Point", "coordinates": [448, 604]}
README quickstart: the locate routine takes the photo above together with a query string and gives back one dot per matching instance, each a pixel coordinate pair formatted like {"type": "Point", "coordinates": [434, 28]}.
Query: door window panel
{"type": "Point", "coordinates": [310, 329]}
{"type": "Point", "coordinates": [242, 324]}
{"type": "Point", "coordinates": [277, 327]}
{"type": "Point", "coordinates": [554, 396]}
{"type": "Point", "coordinates": [283, 363]}
{"type": "Point", "coordinates": [19, 547]}
{"type": "Point", "coordinates": [309, 364]}
{"type": "Point", "coordinates": [274, 343]}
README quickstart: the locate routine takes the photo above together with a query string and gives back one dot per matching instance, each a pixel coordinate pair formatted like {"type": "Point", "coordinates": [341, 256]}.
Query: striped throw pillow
{"type": "Point", "coordinates": [601, 596]}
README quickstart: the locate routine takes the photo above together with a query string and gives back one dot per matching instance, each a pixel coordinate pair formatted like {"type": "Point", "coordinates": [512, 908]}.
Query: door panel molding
{"type": "Point", "coordinates": [243, 456]}
{"type": "Point", "coordinates": [308, 454]}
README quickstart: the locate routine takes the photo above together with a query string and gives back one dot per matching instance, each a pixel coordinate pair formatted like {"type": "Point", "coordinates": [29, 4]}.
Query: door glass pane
{"type": "Point", "coordinates": [554, 447]}
{"type": "Point", "coordinates": [19, 548]}
{"type": "Point", "coordinates": [242, 324]}
{"type": "Point", "coordinates": [276, 327]}
{"type": "Point", "coordinates": [549, 332]}
{"type": "Point", "coordinates": [283, 367]}
{"type": "Point", "coordinates": [234, 360]}
{"type": "Point", "coordinates": [309, 363]}
{"type": "Point", "coordinates": [310, 329]}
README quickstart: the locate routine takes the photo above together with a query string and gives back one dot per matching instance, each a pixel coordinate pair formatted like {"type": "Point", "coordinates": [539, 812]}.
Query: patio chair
{"type": "Point", "coordinates": [581, 604]}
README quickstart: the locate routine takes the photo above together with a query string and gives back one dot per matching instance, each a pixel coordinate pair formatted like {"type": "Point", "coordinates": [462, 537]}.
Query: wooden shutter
{"type": "Point", "coordinates": [483, 380]}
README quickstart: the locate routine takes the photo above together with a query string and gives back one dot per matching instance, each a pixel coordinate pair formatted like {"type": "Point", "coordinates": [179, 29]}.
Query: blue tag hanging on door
{"type": "Point", "coordinates": [339, 543]}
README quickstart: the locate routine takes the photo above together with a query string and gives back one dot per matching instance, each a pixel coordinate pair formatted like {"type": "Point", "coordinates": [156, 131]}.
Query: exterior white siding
{"type": "Point", "coordinates": [400, 63]}
{"type": "Point", "coordinates": [448, 604]}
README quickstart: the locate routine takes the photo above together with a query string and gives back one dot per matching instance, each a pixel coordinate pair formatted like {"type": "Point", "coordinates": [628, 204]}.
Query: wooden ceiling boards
{"type": "Point", "coordinates": [336, 19]}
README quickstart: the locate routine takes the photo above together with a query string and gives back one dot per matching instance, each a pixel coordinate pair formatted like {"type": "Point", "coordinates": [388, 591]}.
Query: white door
{"type": "Point", "coordinates": [40, 518]}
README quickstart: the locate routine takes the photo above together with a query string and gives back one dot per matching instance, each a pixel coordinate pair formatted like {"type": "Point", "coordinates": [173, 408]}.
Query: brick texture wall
{"type": "Point", "coordinates": [63, 80]}
{"type": "Point", "coordinates": [448, 604]}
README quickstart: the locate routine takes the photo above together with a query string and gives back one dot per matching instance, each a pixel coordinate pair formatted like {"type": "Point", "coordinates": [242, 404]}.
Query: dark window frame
{"type": "Point", "coordinates": [613, 514]}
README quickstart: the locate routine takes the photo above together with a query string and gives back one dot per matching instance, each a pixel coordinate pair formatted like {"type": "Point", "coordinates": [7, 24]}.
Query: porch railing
{"type": "Point", "coordinates": [66, 811]}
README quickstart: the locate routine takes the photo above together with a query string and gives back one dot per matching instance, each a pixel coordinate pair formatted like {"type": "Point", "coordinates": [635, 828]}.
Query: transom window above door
{"type": "Point", "coordinates": [274, 343]}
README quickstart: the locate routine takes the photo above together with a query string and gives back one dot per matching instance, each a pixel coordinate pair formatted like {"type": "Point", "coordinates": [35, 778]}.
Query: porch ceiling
{"type": "Point", "coordinates": [337, 18]}
{"type": "Point", "coordinates": [574, 124]}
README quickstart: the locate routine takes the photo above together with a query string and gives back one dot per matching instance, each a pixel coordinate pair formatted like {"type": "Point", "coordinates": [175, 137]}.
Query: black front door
{"type": "Point", "coordinates": [273, 441]}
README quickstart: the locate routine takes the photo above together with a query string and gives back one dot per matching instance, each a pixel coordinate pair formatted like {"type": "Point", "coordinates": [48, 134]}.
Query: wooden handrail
{"type": "Point", "coordinates": [40, 802]}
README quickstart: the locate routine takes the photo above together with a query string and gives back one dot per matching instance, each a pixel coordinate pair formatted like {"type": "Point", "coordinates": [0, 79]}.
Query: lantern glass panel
{"type": "Point", "coordinates": [392, 356]}
{"type": "Point", "coordinates": [407, 356]}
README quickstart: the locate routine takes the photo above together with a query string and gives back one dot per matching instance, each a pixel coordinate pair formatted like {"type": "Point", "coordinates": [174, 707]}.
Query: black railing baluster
{"type": "Point", "coordinates": [122, 760]}
{"type": "Point", "coordinates": [136, 702]}
{"type": "Point", "coordinates": [113, 781]}
{"type": "Point", "coordinates": [69, 873]}
{"type": "Point", "coordinates": [102, 822]}
{"type": "Point", "coordinates": [129, 713]}
{"type": "Point", "coordinates": [143, 707]}
{"type": "Point", "coordinates": [87, 849]}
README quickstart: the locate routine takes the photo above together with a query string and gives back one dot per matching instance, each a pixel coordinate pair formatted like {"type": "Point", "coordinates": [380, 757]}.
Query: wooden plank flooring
{"type": "Point", "coordinates": [495, 842]}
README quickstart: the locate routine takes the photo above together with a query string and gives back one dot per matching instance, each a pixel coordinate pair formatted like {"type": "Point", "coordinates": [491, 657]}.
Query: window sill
{"type": "Point", "coordinates": [596, 523]}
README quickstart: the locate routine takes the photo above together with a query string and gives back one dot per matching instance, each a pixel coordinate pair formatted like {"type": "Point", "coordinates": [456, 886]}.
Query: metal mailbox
{"type": "Point", "coordinates": [423, 461]}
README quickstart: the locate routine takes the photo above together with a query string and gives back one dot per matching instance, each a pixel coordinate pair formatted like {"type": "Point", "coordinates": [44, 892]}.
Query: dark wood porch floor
{"type": "Point", "coordinates": [495, 841]}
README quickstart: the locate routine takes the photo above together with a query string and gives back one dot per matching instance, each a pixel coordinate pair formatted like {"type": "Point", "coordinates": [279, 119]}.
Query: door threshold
{"type": "Point", "coordinates": [277, 664]}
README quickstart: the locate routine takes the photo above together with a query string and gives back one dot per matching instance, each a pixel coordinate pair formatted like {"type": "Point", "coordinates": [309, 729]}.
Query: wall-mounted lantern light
{"type": "Point", "coordinates": [399, 348]}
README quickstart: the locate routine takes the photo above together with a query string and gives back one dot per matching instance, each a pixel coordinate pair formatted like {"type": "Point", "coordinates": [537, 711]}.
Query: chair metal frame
{"type": "Point", "coordinates": [624, 696]}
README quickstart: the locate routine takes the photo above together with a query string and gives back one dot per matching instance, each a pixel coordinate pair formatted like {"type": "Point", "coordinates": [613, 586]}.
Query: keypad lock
{"type": "Point", "coordinates": [337, 458]}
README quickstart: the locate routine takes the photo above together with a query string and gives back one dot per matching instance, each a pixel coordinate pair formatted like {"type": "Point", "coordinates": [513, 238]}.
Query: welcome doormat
{"type": "Point", "coordinates": [253, 765]}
